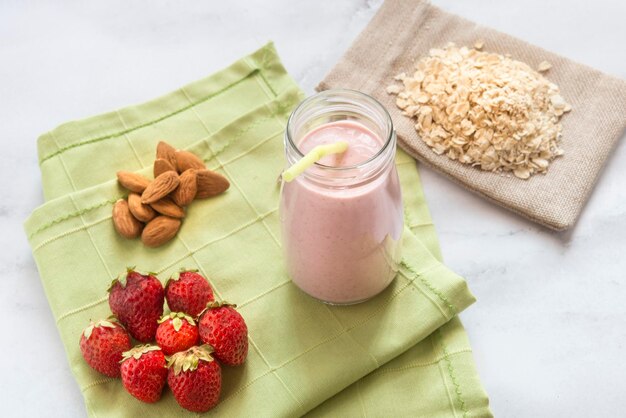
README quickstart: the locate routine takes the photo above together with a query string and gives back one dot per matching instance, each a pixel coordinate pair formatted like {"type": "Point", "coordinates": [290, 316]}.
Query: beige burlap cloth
{"type": "Point", "coordinates": [404, 30]}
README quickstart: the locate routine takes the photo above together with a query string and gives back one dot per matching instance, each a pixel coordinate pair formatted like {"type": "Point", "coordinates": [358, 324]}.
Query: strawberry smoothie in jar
{"type": "Point", "coordinates": [342, 218]}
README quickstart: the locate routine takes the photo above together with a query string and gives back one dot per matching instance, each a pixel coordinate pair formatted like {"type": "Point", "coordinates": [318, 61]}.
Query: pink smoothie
{"type": "Point", "coordinates": [342, 244]}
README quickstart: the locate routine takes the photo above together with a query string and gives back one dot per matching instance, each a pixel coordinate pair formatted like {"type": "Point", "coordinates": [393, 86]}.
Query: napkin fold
{"type": "Point", "coordinates": [305, 356]}
{"type": "Point", "coordinates": [405, 30]}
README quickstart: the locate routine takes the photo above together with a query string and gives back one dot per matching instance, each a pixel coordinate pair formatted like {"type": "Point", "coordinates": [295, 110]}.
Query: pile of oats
{"type": "Point", "coordinates": [484, 109]}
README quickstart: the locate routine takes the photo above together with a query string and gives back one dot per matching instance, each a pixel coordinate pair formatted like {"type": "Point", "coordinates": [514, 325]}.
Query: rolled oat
{"type": "Point", "coordinates": [484, 109]}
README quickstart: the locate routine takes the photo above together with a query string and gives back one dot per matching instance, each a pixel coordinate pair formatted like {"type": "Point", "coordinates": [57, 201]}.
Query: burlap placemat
{"type": "Point", "coordinates": [405, 30]}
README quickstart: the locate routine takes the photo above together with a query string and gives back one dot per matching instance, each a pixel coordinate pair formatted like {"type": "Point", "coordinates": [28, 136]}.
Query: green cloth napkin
{"type": "Point", "coordinates": [404, 353]}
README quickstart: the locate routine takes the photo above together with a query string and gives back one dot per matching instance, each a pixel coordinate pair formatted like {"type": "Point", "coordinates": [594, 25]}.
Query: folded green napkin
{"type": "Point", "coordinates": [403, 353]}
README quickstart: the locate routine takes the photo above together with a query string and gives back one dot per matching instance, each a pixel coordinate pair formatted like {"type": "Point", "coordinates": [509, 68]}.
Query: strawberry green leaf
{"type": "Point", "coordinates": [88, 331]}
{"type": "Point", "coordinates": [106, 324]}
{"type": "Point", "coordinates": [177, 323]}
{"type": "Point", "coordinates": [137, 351]}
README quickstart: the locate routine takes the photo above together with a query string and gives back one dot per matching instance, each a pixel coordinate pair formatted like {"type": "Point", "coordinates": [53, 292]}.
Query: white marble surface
{"type": "Point", "coordinates": [549, 328]}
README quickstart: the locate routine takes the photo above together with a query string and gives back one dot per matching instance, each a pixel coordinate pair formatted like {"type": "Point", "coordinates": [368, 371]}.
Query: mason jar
{"type": "Point", "coordinates": [342, 218]}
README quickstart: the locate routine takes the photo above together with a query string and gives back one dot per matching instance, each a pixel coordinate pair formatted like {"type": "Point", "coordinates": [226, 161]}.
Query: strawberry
{"type": "Point", "coordinates": [144, 371]}
{"type": "Point", "coordinates": [102, 344]}
{"type": "Point", "coordinates": [195, 378]}
{"type": "Point", "coordinates": [188, 292]}
{"type": "Point", "coordinates": [176, 332]}
{"type": "Point", "coordinates": [221, 326]}
{"type": "Point", "coordinates": [137, 300]}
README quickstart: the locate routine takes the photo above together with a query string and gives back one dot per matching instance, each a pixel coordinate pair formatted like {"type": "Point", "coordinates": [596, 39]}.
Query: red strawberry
{"type": "Point", "coordinates": [195, 378]}
{"type": "Point", "coordinates": [189, 292]}
{"type": "Point", "coordinates": [176, 332]}
{"type": "Point", "coordinates": [137, 301]}
{"type": "Point", "coordinates": [144, 371]}
{"type": "Point", "coordinates": [221, 326]}
{"type": "Point", "coordinates": [102, 344]}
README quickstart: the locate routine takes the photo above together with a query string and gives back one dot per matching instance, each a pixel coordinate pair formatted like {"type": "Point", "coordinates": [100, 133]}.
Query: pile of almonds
{"type": "Point", "coordinates": [154, 209]}
{"type": "Point", "coordinates": [484, 109]}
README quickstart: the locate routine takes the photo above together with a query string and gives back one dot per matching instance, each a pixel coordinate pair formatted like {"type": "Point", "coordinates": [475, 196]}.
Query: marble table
{"type": "Point", "coordinates": [550, 306]}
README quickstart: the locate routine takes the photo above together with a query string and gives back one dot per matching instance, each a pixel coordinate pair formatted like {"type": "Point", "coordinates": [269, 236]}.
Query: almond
{"type": "Point", "coordinates": [166, 152]}
{"type": "Point", "coordinates": [142, 212]}
{"type": "Point", "coordinates": [160, 187]}
{"type": "Point", "coordinates": [186, 191]}
{"type": "Point", "coordinates": [132, 181]}
{"type": "Point", "coordinates": [210, 183]}
{"type": "Point", "coordinates": [159, 231]}
{"type": "Point", "coordinates": [161, 166]}
{"type": "Point", "coordinates": [124, 221]}
{"type": "Point", "coordinates": [166, 206]}
{"type": "Point", "coordinates": [186, 160]}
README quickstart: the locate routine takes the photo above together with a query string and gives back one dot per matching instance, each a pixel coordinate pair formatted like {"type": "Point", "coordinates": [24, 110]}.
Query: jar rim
{"type": "Point", "coordinates": [339, 92]}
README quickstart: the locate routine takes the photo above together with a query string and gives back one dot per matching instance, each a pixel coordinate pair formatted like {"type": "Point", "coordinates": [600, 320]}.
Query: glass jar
{"type": "Point", "coordinates": [342, 222]}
